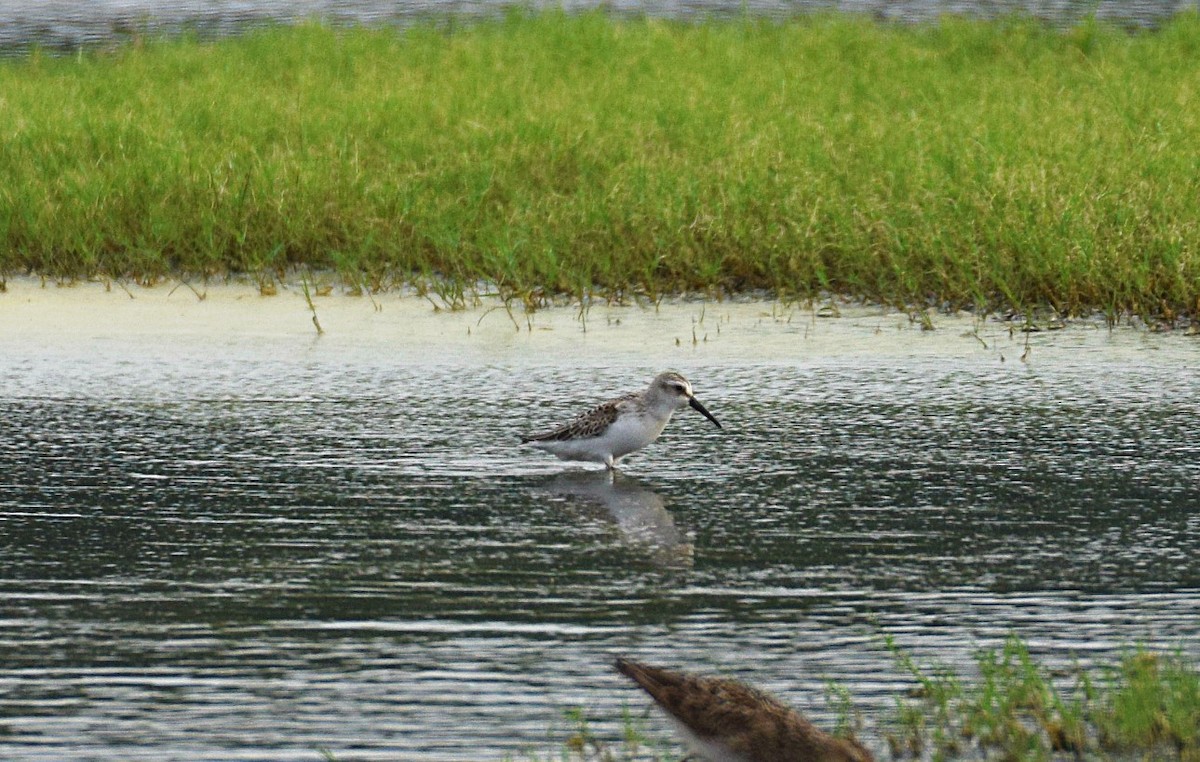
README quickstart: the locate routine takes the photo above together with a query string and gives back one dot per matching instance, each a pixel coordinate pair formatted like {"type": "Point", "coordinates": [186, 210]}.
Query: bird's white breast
{"type": "Point", "coordinates": [633, 431]}
{"type": "Point", "coordinates": [710, 750]}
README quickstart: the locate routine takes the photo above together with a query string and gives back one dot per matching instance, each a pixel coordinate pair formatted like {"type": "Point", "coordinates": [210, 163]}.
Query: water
{"type": "Point", "coordinates": [70, 24]}
{"type": "Point", "coordinates": [225, 538]}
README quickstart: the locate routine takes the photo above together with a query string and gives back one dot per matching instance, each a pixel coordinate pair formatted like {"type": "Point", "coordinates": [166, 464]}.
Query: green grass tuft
{"type": "Point", "coordinates": [1147, 704]}
{"type": "Point", "coordinates": [582, 745]}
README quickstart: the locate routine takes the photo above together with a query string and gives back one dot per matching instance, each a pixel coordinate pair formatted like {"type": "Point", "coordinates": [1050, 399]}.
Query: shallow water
{"type": "Point", "coordinates": [222, 537]}
{"type": "Point", "coordinates": [70, 24]}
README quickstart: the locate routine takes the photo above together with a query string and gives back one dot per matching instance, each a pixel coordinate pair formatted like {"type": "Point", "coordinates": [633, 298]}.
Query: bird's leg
{"type": "Point", "coordinates": [610, 463]}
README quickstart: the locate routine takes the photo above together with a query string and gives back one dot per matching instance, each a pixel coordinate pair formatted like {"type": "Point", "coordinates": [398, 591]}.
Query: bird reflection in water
{"type": "Point", "coordinates": [639, 512]}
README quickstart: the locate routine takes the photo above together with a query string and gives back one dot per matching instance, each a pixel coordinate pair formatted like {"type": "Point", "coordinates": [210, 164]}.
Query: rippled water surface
{"type": "Point", "coordinates": [236, 540]}
{"type": "Point", "coordinates": [70, 24]}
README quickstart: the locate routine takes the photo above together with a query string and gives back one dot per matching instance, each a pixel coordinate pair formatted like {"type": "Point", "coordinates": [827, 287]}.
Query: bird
{"type": "Point", "coordinates": [615, 428]}
{"type": "Point", "coordinates": [723, 720]}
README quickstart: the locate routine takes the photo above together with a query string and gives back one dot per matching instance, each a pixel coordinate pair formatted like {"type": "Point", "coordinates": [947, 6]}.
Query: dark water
{"type": "Point", "coordinates": [248, 549]}
{"type": "Point", "coordinates": [70, 24]}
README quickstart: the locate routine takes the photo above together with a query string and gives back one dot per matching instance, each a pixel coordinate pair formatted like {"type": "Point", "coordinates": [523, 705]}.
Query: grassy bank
{"type": "Point", "coordinates": [989, 165]}
{"type": "Point", "coordinates": [1144, 706]}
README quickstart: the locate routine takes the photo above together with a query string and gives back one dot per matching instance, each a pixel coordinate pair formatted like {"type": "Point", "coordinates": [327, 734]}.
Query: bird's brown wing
{"type": "Point", "coordinates": [585, 426]}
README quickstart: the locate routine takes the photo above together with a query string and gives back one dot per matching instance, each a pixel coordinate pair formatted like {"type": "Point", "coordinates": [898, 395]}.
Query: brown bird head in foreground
{"type": "Point", "coordinates": [723, 720]}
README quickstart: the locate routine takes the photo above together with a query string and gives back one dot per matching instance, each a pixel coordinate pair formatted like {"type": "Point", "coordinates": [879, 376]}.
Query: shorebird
{"type": "Point", "coordinates": [723, 720]}
{"type": "Point", "coordinates": [620, 426]}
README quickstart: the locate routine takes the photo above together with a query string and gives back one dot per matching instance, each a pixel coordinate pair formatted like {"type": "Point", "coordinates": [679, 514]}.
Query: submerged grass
{"type": "Point", "coordinates": [1145, 706]}
{"type": "Point", "coordinates": [990, 165]}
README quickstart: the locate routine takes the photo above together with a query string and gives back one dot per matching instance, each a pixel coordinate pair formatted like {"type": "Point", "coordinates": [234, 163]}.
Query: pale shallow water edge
{"type": "Point", "coordinates": [225, 537]}
{"type": "Point", "coordinates": [673, 330]}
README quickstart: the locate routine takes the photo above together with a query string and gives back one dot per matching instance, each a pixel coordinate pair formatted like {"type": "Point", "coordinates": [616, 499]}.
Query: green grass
{"type": "Point", "coordinates": [582, 745]}
{"type": "Point", "coordinates": [988, 165]}
{"type": "Point", "coordinates": [1144, 706]}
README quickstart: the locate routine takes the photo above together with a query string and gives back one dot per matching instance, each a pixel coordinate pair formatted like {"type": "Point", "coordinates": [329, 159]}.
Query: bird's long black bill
{"type": "Point", "coordinates": [695, 403]}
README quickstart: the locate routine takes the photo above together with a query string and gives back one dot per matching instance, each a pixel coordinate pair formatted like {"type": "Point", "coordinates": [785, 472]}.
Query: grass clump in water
{"type": "Point", "coordinates": [992, 165]}
{"type": "Point", "coordinates": [1147, 704]}
{"type": "Point", "coordinates": [583, 745]}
